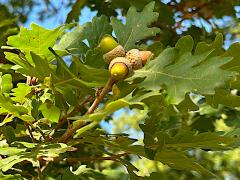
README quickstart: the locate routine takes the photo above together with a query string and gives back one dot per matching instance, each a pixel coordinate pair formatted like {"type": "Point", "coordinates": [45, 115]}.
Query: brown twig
{"type": "Point", "coordinates": [45, 166]}
{"type": "Point", "coordinates": [40, 176]}
{"type": "Point", "coordinates": [63, 120]}
{"type": "Point", "coordinates": [70, 131]}
{"type": "Point", "coordinates": [42, 133]}
{"type": "Point", "coordinates": [30, 131]}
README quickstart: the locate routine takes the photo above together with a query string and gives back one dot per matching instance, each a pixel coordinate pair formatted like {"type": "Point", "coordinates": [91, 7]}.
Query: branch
{"type": "Point", "coordinates": [40, 176]}
{"type": "Point", "coordinates": [63, 120]}
{"type": "Point", "coordinates": [71, 131]}
{"type": "Point", "coordinates": [42, 133]}
{"type": "Point", "coordinates": [30, 132]}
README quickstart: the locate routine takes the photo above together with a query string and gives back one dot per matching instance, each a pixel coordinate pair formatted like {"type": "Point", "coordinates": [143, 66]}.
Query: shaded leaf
{"type": "Point", "coordinates": [182, 73]}
{"type": "Point", "coordinates": [177, 160]}
{"type": "Point", "coordinates": [74, 14]}
{"type": "Point", "coordinates": [136, 27]}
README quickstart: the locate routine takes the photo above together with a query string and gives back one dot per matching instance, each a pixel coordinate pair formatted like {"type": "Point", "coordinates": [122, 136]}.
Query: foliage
{"type": "Point", "coordinates": [184, 102]}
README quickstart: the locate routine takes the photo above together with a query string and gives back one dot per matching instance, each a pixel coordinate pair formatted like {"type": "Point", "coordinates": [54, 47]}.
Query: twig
{"type": "Point", "coordinates": [42, 133]}
{"type": "Point", "coordinates": [45, 166]}
{"type": "Point", "coordinates": [40, 176]}
{"type": "Point", "coordinates": [30, 132]}
{"type": "Point", "coordinates": [64, 119]}
{"type": "Point", "coordinates": [70, 132]}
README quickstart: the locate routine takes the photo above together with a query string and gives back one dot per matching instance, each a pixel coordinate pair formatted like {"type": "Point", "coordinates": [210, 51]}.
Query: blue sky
{"type": "Point", "coordinates": [87, 15]}
{"type": "Point", "coordinates": [56, 20]}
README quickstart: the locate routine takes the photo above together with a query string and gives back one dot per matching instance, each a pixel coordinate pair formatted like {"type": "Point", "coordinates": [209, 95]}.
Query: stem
{"type": "Point", "coordinates": [64, 119]}
{"type": "Point", "coordinates": [70, 132]}
{"type": "Point", "coordinates": [40, 176]}
{"type": "Point", "coordinates": [42, 133]}
{"type": "Point", "coordinates": [99, 98]}
{"type": "Point", "coordinates": [30, 132]}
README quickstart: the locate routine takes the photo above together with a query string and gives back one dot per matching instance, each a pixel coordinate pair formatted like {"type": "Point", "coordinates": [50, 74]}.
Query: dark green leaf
{"type": "Point", "coordinates": [137, 26]}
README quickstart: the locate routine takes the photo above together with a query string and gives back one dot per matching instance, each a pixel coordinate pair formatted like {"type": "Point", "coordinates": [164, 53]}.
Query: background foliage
{"type": "Point", "coordinates": [176, 118]}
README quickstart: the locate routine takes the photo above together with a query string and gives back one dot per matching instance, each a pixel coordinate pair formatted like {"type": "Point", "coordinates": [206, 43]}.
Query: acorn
{"type": "Point", "coordinates": [135, 59]}
{"type": "Point", "coordinates": [145, 56]}
{"type": "Point", "coordinates": [110, 48]}
{"type": "Point", "coordinates": [116, 52]}
{"type": "Point", "coordinates": [120, 68]}
{"type": "Point", "coordinates": [107, 44]}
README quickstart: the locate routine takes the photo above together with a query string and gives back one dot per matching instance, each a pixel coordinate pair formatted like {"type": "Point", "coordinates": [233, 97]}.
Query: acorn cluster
{"type": "Point", "coordinates": [121, 63]}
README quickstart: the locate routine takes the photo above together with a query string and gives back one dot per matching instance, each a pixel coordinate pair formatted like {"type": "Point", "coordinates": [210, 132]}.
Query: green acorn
{"type": "Point", "coordinates": [107, 44]}
{"type": "Point", "coordinates": [120, 68]}
{"type": "Point", "coordinates": [110, 48]}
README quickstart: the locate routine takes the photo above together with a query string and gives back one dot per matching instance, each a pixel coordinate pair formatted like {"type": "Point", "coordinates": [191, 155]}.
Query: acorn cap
{"type": "Point", "coordinates": [116, 52]}
{"type": "Point", "coordinates": [145, 56]}
{"type": "Point", "coordinates": [124, 61]}
{"type": "Point", "coordinates": [135, 59]}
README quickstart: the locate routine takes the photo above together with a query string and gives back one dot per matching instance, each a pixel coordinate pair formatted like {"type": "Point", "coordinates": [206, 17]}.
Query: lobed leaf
{"type": "Point", "coordinates": [181, 72]}
{"type": "Point", "coordinates": [136, 27]}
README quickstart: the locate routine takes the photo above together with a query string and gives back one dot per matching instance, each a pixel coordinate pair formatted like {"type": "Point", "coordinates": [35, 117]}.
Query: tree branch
{"type": "Point", "coordinates": [70, 132]}
{"type": "Point", "coordinates": [30, 132]}
{"type": "Point", "coordinates": [64, 119]}
{"type": "Point", "coordinates": [40, 176]}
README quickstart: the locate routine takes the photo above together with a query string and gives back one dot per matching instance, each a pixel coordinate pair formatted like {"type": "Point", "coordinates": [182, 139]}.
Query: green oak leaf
{"type": "Point", "coordinates": [136, 27]}
{"type": "Point", "coordinates": [50, 111]}
{"type": "Point", "coordinates": [88, 73]}
{"type": "Point", "coordinates": [223, 97]}
{"type": "Point", "coordinates": [83, 37]}
{"type": "Point", "coordinates": [6, 83]}
{"type": "Point", "coordinates": [189, 139]}
{"type": "Point", "coordinates": [10, 176]}
{"type": "Point", "coordinates": [39, 68]}
{"type": "Point", "coordinates": [37, 39]}
{"type": "Point", "coordinates": [178, 160]}
{"type": "Point", "coordinates": [11, 108]}
{"type": "Point", "coordinates": [180, 71]}
{"type": "Point", "coordinates": [72, 41]}
{"type": "Point", "coordinates": [77, 75]}
{"type": "Point", "coordinates": [234, 51]}
{"type": "Point", "coordinates": [23, 154]}
{"type": "Point", "coordinates": [187, 105]}
{"type": "Point", "coordinates": [74, 14]}
{"type": "Point", "coordinates": [19, 94]}
{"type": "Point", "coordinates": [97, 29]}
{"type": "Point", "coordinates": [91, 31]}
